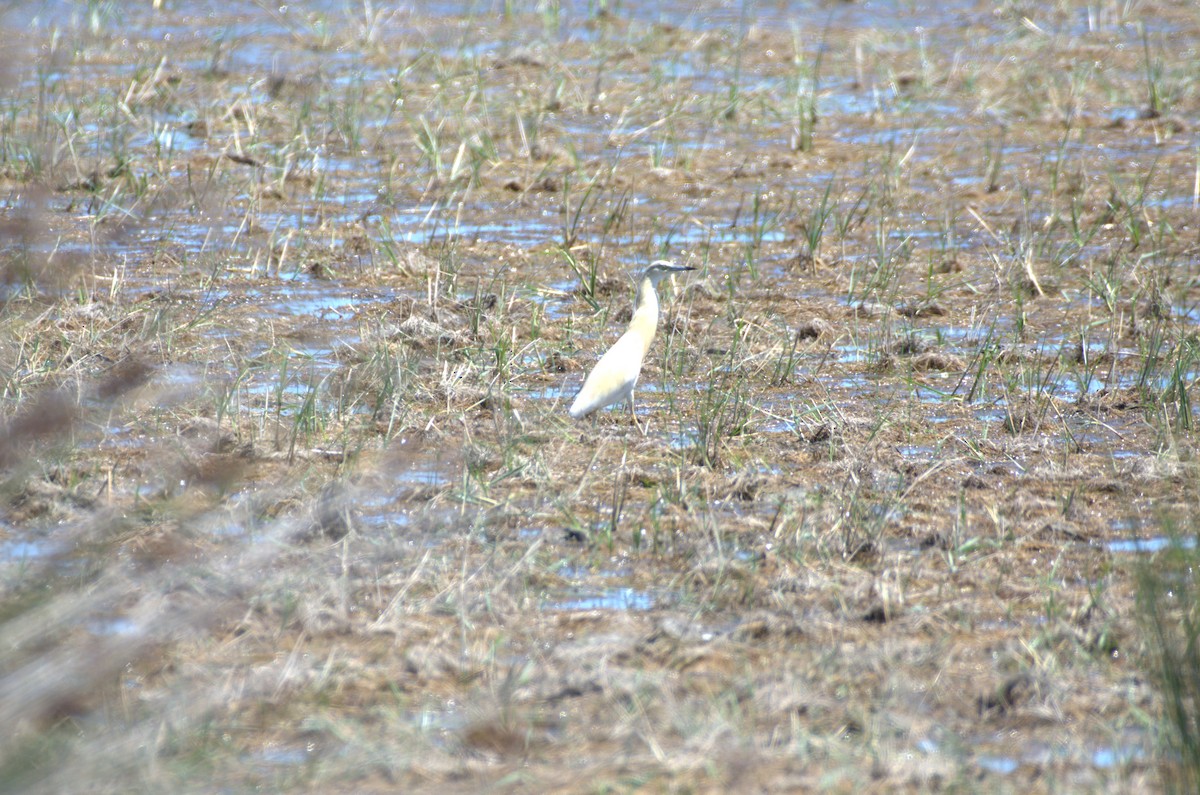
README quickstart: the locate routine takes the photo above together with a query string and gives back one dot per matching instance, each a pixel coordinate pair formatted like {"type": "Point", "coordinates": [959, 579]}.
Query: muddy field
{"type": "Point", "coordinates": [294, 299]}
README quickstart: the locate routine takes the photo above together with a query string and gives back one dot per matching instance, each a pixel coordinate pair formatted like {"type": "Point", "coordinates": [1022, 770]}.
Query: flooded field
{"type": "Point", "coordinates": [294, 300]}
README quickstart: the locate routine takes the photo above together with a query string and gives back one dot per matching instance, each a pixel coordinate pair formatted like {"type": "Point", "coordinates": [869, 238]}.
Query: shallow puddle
{"type": "Point", "coordinates": [605, 599]}
{"type": "Point", "coordinates": [284, 756]}
{"type": "Point", "coordinates": [123, 627]}
{"type": "Point", "coordinates": [1002, 765]}
{"type": "Point", "coordinates": [24, 551]}
{"type": "Point", "coordinates": [1148, 545]}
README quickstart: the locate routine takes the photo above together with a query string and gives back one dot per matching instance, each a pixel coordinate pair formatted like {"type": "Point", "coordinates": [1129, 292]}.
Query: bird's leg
{"type": "Point", "coordinates": [633, 413]}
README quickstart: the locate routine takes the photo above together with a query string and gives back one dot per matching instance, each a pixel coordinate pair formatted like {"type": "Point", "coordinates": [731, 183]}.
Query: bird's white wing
{"type": "Point", "coordinates": [612, 379]}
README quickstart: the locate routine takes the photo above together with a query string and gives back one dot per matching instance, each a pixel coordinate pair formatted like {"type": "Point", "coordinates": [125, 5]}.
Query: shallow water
{"type": "Point", "coordinates": [252, 200]}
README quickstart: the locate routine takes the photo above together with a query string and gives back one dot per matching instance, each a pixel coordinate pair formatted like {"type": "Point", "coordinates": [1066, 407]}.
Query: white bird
{"type": "Point", "coordinates": [615, 375]}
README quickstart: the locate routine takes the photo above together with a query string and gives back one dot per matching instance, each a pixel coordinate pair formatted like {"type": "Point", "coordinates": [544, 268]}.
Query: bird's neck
{"type": "Point", "coordinates": [645, 312]}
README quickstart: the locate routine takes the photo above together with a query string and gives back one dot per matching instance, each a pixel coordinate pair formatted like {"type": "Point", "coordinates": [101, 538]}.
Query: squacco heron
{"type": "Point", "coordinates": [613, 378]}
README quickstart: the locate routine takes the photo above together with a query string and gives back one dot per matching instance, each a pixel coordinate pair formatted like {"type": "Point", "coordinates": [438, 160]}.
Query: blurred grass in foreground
{"type": "Point", "coordinates": [1169, 601]}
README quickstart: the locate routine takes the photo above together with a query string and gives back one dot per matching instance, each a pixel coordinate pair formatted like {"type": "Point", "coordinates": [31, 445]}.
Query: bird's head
{"type": "Point", "coordinates": [661, 269]}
